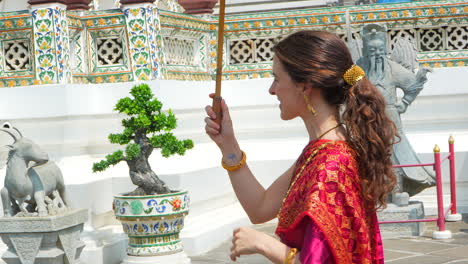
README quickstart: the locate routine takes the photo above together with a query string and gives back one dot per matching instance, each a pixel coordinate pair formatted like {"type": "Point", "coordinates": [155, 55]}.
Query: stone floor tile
{"type": "Point", "coordinates": [391, 255]}
{"type": "Point", "coordinates": [459, 261]}
{"type": "Point", "coordinates": [422, 259]}
{"type": "Point", "coordinates": [414, 245]}
{"type": "Point", "coordinates": [459, 238]}
{"type": "Point", "coordinates": [459, 252]}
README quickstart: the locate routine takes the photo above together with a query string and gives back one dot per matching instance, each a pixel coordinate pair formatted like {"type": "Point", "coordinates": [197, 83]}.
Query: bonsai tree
{"type": "Point", "coordinates": [146, 128]}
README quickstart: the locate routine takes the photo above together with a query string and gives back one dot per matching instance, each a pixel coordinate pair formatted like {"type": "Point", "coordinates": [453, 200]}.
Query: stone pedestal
{"type": "Point", "coordinates": [453, 217]}
{"type": "Point", "coordinates": [51, 240]}
{"type": "Point", "coordinates": [415, 210]}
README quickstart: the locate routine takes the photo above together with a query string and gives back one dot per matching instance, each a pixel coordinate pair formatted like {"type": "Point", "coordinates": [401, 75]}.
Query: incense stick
{"type": "Point", "coordinates": [219, 60]}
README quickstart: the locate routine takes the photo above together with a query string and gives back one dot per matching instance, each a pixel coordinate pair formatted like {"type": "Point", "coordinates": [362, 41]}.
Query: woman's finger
{"type": "Point", "coordinates": [210, 123]}
{"type": "Point", "coordinates": [233, 252]}
{"type": "Point", "coordinates": [212, 95]}
{"type": "Point", "coordinates": [210, 112]}
{"type": "Point", "coordinates": [211, 131]}
{"type": "Point", "coordinates": [234, 255]}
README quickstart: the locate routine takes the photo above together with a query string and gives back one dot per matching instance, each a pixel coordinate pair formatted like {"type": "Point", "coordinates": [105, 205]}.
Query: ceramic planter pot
{"type": "Point", "coordinates": [152, 222]}
{"type": "Point", "coordinates": [198, 6]}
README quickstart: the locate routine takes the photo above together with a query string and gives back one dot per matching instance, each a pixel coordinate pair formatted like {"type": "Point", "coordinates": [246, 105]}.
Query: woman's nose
{"type": "Point", "coordinates": [271, 90]}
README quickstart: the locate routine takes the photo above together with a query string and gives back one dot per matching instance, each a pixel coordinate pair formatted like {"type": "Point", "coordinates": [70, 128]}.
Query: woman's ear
{"type": "Point", "coordinates": [308, 86]}
{"type": "Point", "coordinates": [301, 87]}
{"type": "Point", "coordinates": [308, 92]}
{"type": "Point", "coordinates": [312, 92]}
{"type": "Point", "coordinates": [307, 89]}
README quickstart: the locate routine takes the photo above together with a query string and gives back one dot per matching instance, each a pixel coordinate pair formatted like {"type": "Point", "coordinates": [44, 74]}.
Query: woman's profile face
{"type": "Point", "coordinates": [288, 93]}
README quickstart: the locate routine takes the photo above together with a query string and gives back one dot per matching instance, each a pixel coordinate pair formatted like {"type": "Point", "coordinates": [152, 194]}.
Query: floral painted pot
{"type": "Point", "coordinates": [152, 222]}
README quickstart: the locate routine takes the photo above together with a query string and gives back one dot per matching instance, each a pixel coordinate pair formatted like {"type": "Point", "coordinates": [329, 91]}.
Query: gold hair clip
{"type": "Point", "coordinates": [354, 74]}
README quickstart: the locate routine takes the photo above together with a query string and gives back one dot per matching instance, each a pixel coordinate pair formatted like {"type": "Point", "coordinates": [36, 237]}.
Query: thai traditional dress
{"type": "Point", "coordinates": [323, 214]}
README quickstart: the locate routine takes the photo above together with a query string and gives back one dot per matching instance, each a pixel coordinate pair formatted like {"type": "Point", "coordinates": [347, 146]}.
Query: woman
{"type": "Point", "coordinates": [326, 201]}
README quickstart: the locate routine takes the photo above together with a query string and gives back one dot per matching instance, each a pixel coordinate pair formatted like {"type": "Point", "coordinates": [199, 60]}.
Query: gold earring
{"type": "Point", "coordinates": [309, 107]}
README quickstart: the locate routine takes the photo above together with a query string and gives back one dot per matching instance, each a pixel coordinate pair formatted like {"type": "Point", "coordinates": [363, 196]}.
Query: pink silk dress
{"type": "Point", "coordinates": [323, 214]}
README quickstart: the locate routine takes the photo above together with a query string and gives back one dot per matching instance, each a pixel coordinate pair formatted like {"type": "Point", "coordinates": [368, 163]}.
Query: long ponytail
{"type": "Point", "coordinates": [372, 134]}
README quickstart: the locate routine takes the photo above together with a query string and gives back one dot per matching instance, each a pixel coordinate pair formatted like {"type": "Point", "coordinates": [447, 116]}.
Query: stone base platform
{"type": "Point", "coordinates": [51, 240]}
{"type": "Point", "coordinates": [415, 210]}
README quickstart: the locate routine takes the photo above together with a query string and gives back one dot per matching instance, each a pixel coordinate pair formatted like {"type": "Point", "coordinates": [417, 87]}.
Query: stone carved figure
{"type": "Point", "coordinates": [33, 184]}
{"type": "Point", "coordinates": [389, 73]}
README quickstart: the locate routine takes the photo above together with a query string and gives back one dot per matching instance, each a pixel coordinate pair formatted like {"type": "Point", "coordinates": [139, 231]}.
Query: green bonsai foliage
{"type": "Point", "coordinates": [146, 128]}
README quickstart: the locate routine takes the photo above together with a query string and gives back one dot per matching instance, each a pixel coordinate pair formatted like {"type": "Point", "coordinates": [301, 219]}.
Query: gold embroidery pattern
{"type": "Point", "coordinates": [328, 190]}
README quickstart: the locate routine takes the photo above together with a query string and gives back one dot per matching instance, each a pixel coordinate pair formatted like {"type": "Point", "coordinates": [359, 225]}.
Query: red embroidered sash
{"type": "Point", "coordinates": [328, 192]}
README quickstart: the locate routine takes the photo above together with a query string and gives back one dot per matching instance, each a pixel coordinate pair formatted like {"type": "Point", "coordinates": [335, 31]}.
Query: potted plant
{"type": "Point", "coordinates": [152, 215]}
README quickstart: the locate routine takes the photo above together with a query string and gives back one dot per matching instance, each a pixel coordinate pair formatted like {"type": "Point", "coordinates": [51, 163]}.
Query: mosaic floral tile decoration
{"type": "Point", "coordinates": [141, 33]}
{"type": "Point", "coordinates": [439, 28]}
{"type": "Point", "coordinates": [142, 43]}
{"type": "Point", "coordinates": [16, 49]}
{"type": "Point", "coordinates": [51, 44]}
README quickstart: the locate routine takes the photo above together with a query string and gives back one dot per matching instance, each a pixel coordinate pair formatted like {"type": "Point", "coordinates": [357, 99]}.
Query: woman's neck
{"type": "Point", "coordinates": [317, 126]}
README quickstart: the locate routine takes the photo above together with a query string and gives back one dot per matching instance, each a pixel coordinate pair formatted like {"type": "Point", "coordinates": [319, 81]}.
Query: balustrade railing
{"type": "Point", "coordinates": [442, 215]}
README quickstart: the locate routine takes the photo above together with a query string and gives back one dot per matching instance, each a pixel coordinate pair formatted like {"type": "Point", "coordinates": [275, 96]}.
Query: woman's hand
{"type": "Point", "coordinates": [222, 135]}
{"type": "Point", "coordinates": [245, 241]}
{"type": "Point", "coordinates": [248, 241]}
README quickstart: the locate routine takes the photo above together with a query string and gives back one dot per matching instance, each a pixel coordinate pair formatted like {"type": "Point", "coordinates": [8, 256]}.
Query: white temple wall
{"type": "Point", "coordinates": [71, 122]}
{"type": "Point", "coordinates": [13, 5]}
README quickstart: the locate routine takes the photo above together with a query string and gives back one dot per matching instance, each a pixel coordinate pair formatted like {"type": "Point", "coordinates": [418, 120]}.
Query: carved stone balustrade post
{"type": "Point", "coordinates": [145, 39]}
{"type": "Point", "coordinates": [198, 7]}
{"type": "Point", "coordinates": [51, 41]}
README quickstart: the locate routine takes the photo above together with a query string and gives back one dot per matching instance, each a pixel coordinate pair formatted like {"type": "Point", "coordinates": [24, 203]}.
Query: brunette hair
{"type": "Point", "coordinates": [319, 59]}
